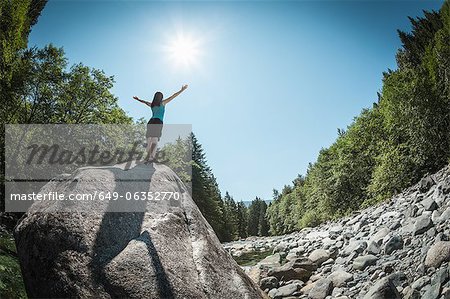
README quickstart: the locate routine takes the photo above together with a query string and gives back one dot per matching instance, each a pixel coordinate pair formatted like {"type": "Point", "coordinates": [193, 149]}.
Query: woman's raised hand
{"type": "Point", "coordinates": [184, 87]}
{"type": "Point", "coordinates": [136, 98]}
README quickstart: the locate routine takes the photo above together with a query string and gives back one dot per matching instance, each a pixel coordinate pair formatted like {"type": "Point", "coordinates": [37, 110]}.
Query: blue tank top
{"type": "Point", "coordinates": [158, 112]}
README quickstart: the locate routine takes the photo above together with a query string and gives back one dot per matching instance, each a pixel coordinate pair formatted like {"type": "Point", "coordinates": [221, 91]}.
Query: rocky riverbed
{"type": "Point", "coordinates": [397, 249]}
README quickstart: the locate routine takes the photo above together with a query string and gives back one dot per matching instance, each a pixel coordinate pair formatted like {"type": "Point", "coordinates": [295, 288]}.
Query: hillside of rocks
{"type": "Point", "coordinates": [397, 249]}
{"type": "Point", "coordinates": [159, 249]}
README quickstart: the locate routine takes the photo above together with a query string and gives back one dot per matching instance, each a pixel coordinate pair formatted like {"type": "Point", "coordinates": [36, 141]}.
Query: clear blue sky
{"type": "Point", "coordinates": [273, 82]}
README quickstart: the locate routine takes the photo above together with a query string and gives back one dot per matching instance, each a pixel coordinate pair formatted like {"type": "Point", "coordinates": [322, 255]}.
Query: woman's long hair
{"type": "Point", "coordinates": [157, 99]}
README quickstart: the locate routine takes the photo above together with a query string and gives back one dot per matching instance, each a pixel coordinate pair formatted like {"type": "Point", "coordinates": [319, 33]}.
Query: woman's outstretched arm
{"type": "Point", "coordinates": [142, 101]}
{"type": "Point", "coordinates": [183, 88]}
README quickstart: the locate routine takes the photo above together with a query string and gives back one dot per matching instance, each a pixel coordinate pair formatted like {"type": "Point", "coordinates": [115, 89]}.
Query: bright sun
{"type": "Point", "coordinates": [183, 50]}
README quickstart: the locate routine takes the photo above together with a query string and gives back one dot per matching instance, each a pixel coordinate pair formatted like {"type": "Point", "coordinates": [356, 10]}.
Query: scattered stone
{"type": "Point", "coordinates": [437, 254]}
{"type": "Point", "coordinates": [362, 262]}
{"type": "Point", "coordinates": [284, 291]}
{"type": "Point", "coordinates": [445, 215]}
{"type": "Point", "coordinates": [394, 243]}
{"type": "Point", "coordinates": [399, 279]}
{"type": "Point", "coordinates": [270, 282]}
{"type": "Point", "coordinates": [382, 252]}
{"type": "Point", "coordinates": [383, 289]}
{"type": "Point", "coordinates": [420, 282]}
{"type": "Point", "coordinates": [340, 278]}
{"type": "Point", "coordinates": [354, 246]}
{"type": "Point", "coordinates": [281, 247]}
{"type": "Point", "coordinates": [425, 184]}
{"type": "Point", "coordinates": [291, 271]}
{"type": "Point", "coordinates": [271, 260]}
{"type": "Point", "coordinates": [432, 292]}
{"type": "Point", "coordinates": [321, 289]}
{"type": "Point", "coordinates": [395, 225]}
{"type": "Point", "coordinates": [373, 248]}
{"type": "Point", "coordinates": [319, 256]}
{"type": "Point", "coordinates": [422, 224]}
{"type": "Point", "coordinates": [429, 204]}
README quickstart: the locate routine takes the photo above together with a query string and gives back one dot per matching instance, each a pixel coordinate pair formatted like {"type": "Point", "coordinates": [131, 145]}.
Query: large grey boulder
{"type": "Point", "coordinates": [164, 249]}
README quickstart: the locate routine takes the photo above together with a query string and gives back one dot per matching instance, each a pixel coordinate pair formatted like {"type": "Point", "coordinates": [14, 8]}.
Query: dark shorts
{"type": "Point", "coordinates": [154, 128]}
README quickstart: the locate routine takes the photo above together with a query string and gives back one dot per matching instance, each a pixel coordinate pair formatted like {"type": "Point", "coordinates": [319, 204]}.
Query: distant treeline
{"type": "Point", "coordinates": [388, 147]}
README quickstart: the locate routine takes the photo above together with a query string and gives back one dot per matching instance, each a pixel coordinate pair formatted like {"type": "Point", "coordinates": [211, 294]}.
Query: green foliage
{"type": "Point", "coordinates": [54, 94]}
{"type": "Point", "coordinates": [11, 283]}
{"type": "Point", "coordinates": [311, 218]}
{"type": "Point", "coordinates": [388, 147]}
{"type": "Point", "coordinates": [242, 220]}
{"type": "Point", "coordinates": [177, 156]}
{"type": "Point", "coordinates": [252, 258]}
{"type": "Point", "coordinates": [231, 218]}
{"type": "Point", "coordinates": [16, 19]}
{"type": "Point", "coordinates": [205, 191]}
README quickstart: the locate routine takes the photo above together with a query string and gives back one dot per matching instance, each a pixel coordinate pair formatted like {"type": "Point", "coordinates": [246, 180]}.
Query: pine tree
{"type": "Point", "coordinates": [231, 217]}
{"type": "Point", "coordinates": [205, 190]}
{"type": "Point", "coordinates": [242, 220]}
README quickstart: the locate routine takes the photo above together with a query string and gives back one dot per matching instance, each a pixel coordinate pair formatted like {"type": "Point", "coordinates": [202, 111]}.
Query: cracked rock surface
{"type": "Point", "coordinates": [156, 249]}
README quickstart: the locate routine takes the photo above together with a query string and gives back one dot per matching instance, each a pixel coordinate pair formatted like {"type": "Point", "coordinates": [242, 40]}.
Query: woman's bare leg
{"type": "Point", "coordinates": [154, 147]}
{"type": "Point", "coordinates": [149, 148]}
{"type": "Point", "coordinates": [152, 144]}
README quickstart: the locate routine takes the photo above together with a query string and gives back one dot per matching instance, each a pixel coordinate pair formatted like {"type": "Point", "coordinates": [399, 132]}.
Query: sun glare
{"type": "Point", "coordinates": [184, 50]}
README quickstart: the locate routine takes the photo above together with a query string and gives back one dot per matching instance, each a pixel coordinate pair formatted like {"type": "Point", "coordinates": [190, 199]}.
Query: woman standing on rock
{"type": "Point", "coordinates": [155, 124]}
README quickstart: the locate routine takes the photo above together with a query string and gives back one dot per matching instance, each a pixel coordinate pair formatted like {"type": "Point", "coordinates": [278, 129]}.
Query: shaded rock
{"type": "Point", "coordinates": [444, 185]}
{"type": "Point", "coordinates": [399, 279]}
{"type": "Point", "coordinates": [411, 294]}
{"type": "Point", "coordinates": [164, 249]}
{"type": "Point", "coordinates": [270, 282]}
{"type": "Point", "coordinates": [395, 225]}
{"type": "Point", "coordinates": [429, 204]}
{"type": "Point", "coordinates": [437, 254]}
{"type": "Point", "coordinates": [425, 184]}
{"type": "Point", "coordinates": [383, 289]}
{"type": "Point", "coordinates": [394, 243]}
{"type": "Point", "coordinates": [321, 289]}
{"type": "Point", "coordinates": [362, 262]}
